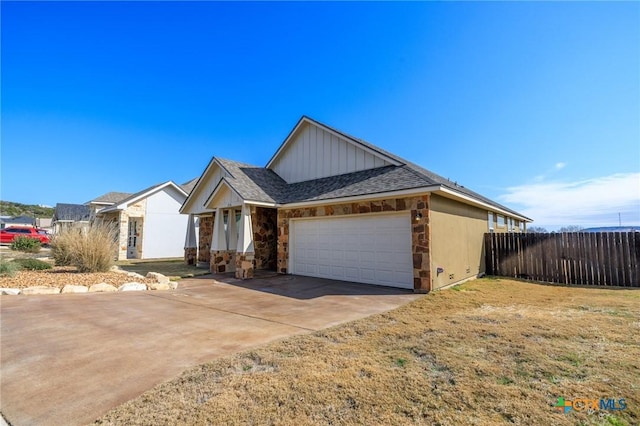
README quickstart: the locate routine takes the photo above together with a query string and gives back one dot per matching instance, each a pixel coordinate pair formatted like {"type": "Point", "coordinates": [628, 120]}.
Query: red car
{"type": "Point", "coordinates": [8, 234]}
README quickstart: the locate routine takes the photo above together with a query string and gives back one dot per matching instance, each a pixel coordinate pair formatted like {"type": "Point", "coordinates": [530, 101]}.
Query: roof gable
{"type": "Point", "coordinates": [313, 151]}
{"type": "Point", "coordinates": [110, 198]}
{"type": "Point", "coordinates": [123, 204]}
{"type": "Point", "coordinates": [195, 202]}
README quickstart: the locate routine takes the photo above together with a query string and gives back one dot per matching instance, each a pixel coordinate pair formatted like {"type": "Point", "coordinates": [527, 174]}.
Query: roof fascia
{"type": "Point", "coordinates": [196, 187]}
{"type": "Point", "coordinates": [449, 193]}
{"type": "Point", "coordinates": [376, 196]}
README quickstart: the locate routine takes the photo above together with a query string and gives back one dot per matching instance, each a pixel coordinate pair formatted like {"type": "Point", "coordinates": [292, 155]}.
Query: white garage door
{"type": "Point", "coordinates": [372, 249]}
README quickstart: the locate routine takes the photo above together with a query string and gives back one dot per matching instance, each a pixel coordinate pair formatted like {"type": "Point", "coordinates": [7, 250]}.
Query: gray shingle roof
{"type": "Point", "coordinates": [188, 186]}
{"type": "Point", "coordinates": [111, 197]}
{"type": "Point", "coordinates": [73, 212]}
{"type": "Point", "coordinates": [255, 183]}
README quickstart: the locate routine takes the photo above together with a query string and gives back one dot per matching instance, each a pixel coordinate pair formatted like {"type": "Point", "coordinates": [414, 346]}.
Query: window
{"type": "Point", "coordinates": [509, 224]}
{"type": "Point", "coordinates": [491, 223]}
{"type": "Point", "coordinates": [500, 221]}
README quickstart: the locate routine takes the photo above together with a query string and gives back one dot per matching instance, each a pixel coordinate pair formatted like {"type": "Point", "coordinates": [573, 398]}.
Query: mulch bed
{"type": "Point", "coordinates": [59, 276]}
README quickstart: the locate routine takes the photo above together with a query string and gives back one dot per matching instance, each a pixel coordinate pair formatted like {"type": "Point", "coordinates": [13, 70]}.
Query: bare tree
{"type": "Point", "coordinates": [571, 228]}
{"type": "Point", "coordinates": [536, 229]}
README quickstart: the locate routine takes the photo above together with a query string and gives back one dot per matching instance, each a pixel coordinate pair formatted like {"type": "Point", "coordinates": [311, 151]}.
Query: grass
{"type": "Point", "coordinates": [500, 351]}
{"type": "Point", "coordinates": [173, 268]}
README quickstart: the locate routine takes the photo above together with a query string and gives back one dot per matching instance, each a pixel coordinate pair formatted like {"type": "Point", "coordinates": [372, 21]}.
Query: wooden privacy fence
{"type": "Point", "coordinates": [584, 258]}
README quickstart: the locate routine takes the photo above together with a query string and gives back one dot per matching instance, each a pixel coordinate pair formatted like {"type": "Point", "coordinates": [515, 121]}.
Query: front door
{"type": "Point", "coordinates": [132, 240]}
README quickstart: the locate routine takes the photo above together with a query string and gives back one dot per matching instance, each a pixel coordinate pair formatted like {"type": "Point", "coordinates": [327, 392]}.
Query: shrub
{"type": "Point", "coordinates": [8, 269]}
{"type": "Point", "coordinates": [61, 245]}
{"type": "Point", "coordinates": [32, 264]}
{"type": "Point", "coordinates": [25, 244]}
{"type": "Point", "coordinates": [90, 249]}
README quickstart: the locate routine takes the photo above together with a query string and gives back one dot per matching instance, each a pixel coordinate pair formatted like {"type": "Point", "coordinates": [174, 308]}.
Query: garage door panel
{"type": "Point", "coordinates": [372, 249]}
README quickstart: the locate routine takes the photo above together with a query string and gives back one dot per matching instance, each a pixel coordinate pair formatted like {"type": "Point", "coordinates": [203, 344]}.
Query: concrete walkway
{"type": "Point", "coordinates": [69, 358]}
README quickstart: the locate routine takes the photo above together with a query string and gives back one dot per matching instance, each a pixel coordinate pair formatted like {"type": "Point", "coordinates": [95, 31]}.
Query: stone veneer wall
{"type": "Point", "coordinates": [190, 255]}
{"type": "Point", "coordinates": [222, 261]}
{"type": "Point", "coordinates": [420, 231]}
{"type": "Point", "coordinates": [204, 238]}
{"type": "Point", "coordinates": [245, 264]}
{"type": "Point", "coordinates": [265, 238]}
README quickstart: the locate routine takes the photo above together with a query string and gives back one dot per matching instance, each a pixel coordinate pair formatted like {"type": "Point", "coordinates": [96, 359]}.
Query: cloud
{"type": "Point", "coordinates": [560, 165]}
{"type": "Point", "coordinates": [589, 202]}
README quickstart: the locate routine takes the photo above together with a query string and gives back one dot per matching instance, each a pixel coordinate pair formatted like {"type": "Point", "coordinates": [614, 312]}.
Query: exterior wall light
{"type": "Point", "coordinates": [418, 216]}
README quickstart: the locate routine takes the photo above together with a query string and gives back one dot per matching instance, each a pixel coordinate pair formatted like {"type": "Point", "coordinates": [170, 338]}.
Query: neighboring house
{"type": "Point", "coordinates": [149, 222]}
{"type": "Point", "coordinates": [106, 200]}
{"type": "Point", "coordinates": [44, 223]}
{"type": "Point", "coordinates": [333, 206]}
{"type": "Point", "coordinates": [69, 215]}
{"type": "Point", "coordinates": [16, 221]}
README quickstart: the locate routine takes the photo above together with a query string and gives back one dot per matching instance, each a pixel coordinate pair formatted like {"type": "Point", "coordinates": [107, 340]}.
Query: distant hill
{"type": "Point", "coordinates": [9, 208]}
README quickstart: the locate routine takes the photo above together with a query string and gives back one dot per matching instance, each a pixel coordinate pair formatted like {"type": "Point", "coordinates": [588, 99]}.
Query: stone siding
{"type": "Point", "coordinates": [222, 261]}
{"type": "Point", "coordinates": [190, 255]}
{"type": "Point", "coordinates": [204, 238]}
{"type": "Point", "coordinates": [420, 230]}
{"type": "Point", "coordinates": [265, 238]}
{"type": "Point", "coordinates": [245, 265]}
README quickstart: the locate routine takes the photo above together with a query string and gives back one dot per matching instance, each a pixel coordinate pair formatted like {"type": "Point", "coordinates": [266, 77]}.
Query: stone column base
{"type": "Point", "coordinates": [190, 254]}
{"type": "Point", "coordinates": [245, 265]}
{"type": "Point", "coordinates": [222, 261]}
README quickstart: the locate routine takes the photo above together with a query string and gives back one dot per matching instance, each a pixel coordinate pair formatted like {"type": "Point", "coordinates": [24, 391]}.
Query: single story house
{"type": "Point", "coordinates": [149, 223]}
{"type": "Point", "coordinates": [330, 205]}
{"type": "Point", "coordinates": [23, 220]}
{"type": "Point", "coordinates": [106, 200]}
{"type": "Point", "coordinates": [69, 215]}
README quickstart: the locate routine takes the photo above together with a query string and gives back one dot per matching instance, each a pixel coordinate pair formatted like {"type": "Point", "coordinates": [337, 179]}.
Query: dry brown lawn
{"type": "Point", "coordinates": [486, 352]}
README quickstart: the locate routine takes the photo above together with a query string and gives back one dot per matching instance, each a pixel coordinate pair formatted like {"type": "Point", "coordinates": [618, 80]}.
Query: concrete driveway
{"type": "Point", "coordinates": [69, 358]}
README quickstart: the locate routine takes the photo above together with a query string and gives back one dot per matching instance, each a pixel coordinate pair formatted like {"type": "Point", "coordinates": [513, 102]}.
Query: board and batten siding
{"type": "Point", "coordinates": [164, 226]}
{"type": "Point", "coordinates": [196, 206]}
{"type": "Point", "coordinates": [316, 153]}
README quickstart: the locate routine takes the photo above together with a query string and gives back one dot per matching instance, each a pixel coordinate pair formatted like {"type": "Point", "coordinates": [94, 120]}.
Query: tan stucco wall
{"type": "Point", "coordinates": [457, 241]}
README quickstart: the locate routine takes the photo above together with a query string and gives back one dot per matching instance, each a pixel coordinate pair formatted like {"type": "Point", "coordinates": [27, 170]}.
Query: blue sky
{"type": "Point", "coordinates": [535, 104]}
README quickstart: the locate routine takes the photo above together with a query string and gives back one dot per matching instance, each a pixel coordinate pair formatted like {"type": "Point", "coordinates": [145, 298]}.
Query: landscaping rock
{"type": "Point", "coordinates": [102, 287]}
{"type": "Point", "coordinates": [41, 289]}
{"type": "Point", "coordinates": [162, 279]}
{"type": "Point", "coordinates": [115, 268]}
{"type": "Point", "coordinates": [159, 286]}
{"type": "Point", "coordinates": [132, 286]}
{"type": "Point", "coordinates": [134, 275]}
{"type": "Point", "coordinates": [72, 288]}
{"type": "Point", "coordinates": [10, 291]}
{"type": "Point", "coordinates": [173, 285]}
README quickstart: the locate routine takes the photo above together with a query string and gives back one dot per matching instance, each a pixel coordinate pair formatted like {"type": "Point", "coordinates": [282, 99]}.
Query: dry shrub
{"type": "Point", "coordinates": [61, 247]}
{"type": "Point", "coordinates": [89, 249]}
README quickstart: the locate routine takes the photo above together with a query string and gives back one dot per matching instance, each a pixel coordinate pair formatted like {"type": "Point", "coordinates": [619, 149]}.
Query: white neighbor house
{"type": "Point", "coordinates": [149, 222]}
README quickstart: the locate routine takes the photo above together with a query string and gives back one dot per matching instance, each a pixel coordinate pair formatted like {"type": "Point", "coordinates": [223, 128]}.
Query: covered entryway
{"type": "Point", "coordinates": [371, 249]}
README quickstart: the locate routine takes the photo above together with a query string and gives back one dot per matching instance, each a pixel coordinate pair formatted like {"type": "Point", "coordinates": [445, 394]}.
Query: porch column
{"type": "Point", "coordinates": [222, 260]}
{"type": "Point", "coordinates": [218, 241]}
{"type": "Point", "coordinates": [232, 230]}
{"type": "Point", "coordinates": [190, 242]}
{"type": "Point", "coordinates": [245, 251]}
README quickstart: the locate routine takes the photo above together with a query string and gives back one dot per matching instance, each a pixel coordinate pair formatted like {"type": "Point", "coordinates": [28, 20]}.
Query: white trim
{"type": "Point", "coordinates": [347, 138]}
{"type": "Point", "coordinates": [195, 188]}
{"type": "Point", "coordinates": [124, 204]}
{"type": "Point", "coordinates": [262, 204]}
{"type": "Point", "coordinates": [216, 189]}
{"type": "Point", "coordinates": [448, 193]}
{"type": "Point", "coordinates": [376, 196]}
